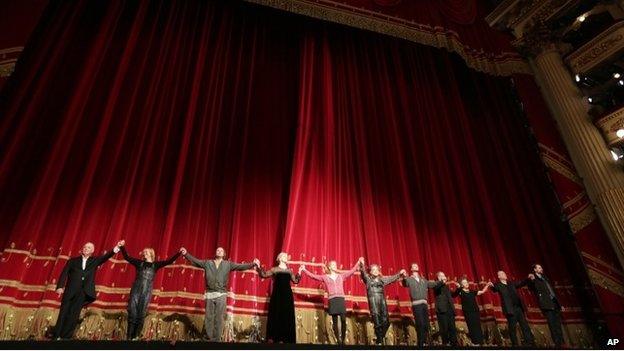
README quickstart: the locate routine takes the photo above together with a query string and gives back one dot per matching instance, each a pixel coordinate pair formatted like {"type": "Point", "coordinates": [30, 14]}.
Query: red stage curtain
{"type": "Point", "coordinates": [203, 123]}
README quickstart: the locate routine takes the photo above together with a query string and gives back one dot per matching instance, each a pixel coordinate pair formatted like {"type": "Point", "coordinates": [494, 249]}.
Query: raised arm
{"type": "Point", "coordinates": [241, 266]}
{"type": "Point", "coordinates": [133, 261]}
{"type": "Point", "coordinates": [350, 272]}
{"type": "Point", "coordinates": [196, 262]}
{"type": "Point", "coordinates": [264, 274]}
{"type": "Point", "coordinates": [434, 284]}
{"type": "Point", "coordinates": [365, 277]}
{"type": "Point", "coordinates": [99, 260]}
{"type": "Point", "coordinates": [485, 288]}
{"type": "Point", "coordinates": [170, 260]}
{"type": "Point", "coordinates": [390, 279]}
{"type": "Point", "coordinates": [522, 283]}
{"type": "Point", "coordinates": [312, 275]}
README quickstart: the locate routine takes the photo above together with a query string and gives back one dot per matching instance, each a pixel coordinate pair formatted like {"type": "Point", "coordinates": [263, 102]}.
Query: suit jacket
{"type": "Point", "coordinates": [508, 294]}
{"type": "Point", "coordinates": [76, 280]}
{"type": "Point", "coordinates": [443, 300]}
{"type": "Point", "coordinates": [540, 288]}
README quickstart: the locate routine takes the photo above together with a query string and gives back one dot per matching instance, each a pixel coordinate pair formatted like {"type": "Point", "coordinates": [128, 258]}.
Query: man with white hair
{"type": "Point", "coordinates": [217, 272]}
{"type": "Point", "coordinates": [77, 286]}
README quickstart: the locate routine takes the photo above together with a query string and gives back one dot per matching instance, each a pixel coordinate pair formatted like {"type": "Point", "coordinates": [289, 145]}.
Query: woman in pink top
{"type": "Point", "coordinates": [334, 282]}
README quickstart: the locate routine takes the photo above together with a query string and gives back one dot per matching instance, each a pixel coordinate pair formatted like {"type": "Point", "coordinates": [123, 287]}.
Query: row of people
{"type": "Point", "coordinates": [77, 287]}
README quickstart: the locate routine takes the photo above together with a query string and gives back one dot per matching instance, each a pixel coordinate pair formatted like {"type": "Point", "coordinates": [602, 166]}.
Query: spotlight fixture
{"type": "Point", "coordinates": [617, 75]}
{"type": "Point", "coordinates": [620, 133]}
{"type": "Point", "coordinates": [581, 18]}
{"type": "Point", "coordinates": [590, 99]}
{"type": "Point", "coordinates": [577, 78]}
{"type": "Point", "coordinates": [621, 82]}
{"type": "Point", "coordinates": [616, 155]}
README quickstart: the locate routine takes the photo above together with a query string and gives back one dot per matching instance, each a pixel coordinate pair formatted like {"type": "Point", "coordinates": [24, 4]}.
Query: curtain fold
{"type": "Point", "coordinates": [205, 124]}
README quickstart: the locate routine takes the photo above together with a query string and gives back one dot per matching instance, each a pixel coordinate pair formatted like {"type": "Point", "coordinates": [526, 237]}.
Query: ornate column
{"type": "Point", "coordinates": [603, 179]}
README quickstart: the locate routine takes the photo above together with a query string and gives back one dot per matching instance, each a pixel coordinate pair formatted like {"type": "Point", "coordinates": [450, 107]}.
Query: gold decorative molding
{"type": "Point", "coordinates": [561, 168]}
{"type": "Point", "coordinates": [599, 261]}
{"type": "Point", "coordinates": [606, 45]}
{"type": "Point", "coordinates": [8, 59]}
{"type": "Point", "coordinates": [610, 124]}
{"type": "Point", "coordinates": [600, 279]}
{"type": "Point", "coordinates": [503, 64]}
{"type": "Point", "coordinates": [521, 15]}
{"type": "Point", "coordinates": [582, 219]}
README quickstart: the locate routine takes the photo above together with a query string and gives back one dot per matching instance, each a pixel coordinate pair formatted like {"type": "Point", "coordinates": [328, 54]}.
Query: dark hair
{"type": "Point", "coordinates": [535, 265]}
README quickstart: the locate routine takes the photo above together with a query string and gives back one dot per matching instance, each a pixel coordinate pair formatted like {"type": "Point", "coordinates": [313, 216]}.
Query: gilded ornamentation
{"type": "Point", "coordinates": [503, 64]}
{"type": "Point", "coordinates": [610, 124]}
{"type": "Point", "coordinates": [598, 49]}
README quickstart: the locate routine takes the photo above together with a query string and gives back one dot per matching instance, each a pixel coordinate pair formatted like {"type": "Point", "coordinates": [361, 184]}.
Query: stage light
{"type": "Point", "coordinates": [621, 82]}
{"type": "Point", "coordinates": [577, 78]}
{"type": "Point", "coordinates": [616, 75]}
{"type": "Point", "coordinates": [590, 99]}
{"type": "Point", "coordinates": [617, 154]}
{"type": "Point", "coordinates": [620, 133]}
{"type": "Point", "coordinates": [582, 18]}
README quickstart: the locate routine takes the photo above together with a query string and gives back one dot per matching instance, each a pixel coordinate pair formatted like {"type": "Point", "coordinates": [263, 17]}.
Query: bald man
{"type": "Point", "coordinates": [77, 286]}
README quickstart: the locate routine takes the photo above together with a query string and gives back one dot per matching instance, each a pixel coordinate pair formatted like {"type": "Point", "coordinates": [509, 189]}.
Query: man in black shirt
{"type": "Point", "coordinates": [548, 303]}
{"type": "Point", "coordinates": [445, 310]}
{"type": "Point", "coordinates": [513, 308]}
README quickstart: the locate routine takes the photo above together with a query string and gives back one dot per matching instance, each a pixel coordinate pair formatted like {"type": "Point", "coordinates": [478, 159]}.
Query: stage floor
{"type": "Point", "coordinates": [185, 345]}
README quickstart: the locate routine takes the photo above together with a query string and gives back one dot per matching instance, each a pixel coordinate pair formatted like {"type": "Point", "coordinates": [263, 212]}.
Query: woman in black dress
{"type": "Point", "coordinates": [141, 292]}
{"type": "Point", "coordinates": [281, 319]}
{"type": "Point", "coordinates": [471, 309]}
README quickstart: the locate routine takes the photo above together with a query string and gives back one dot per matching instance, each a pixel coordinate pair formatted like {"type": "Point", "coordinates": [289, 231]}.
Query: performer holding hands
{"type": "Point", "coordinates": [375, 284]}
{"type": "Point", "coordinates": [281, 318]}
{"type": "Point", "coordinates": [445, 310]}
{"type": "Point", "coordinates": [77, 286]}
{"type": "Point", "coordinates": [334, 283]}
{"type": "Point", "coordinates": [418, 286]}
{"type": "Point", "coordinates": [513, 308]}
{"type": "Point", "coordinates": [141, 291]}
{"type": "Point", "coordinates": [543, 289]}
{"type": "Point", "coordinates": [217, 273]}
{"type": "Point", "coordinates": [470, 307]}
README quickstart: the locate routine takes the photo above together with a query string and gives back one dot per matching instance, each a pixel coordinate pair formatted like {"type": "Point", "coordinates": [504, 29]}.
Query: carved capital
{"type": "Point", "coordinates": [536, 42]}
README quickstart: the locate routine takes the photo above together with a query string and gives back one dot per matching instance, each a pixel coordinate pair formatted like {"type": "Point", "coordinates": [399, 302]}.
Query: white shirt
{"type": "Point", "coordinates": [84, 262]}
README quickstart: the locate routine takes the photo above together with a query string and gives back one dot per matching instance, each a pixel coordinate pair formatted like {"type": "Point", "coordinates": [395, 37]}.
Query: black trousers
{"type": "Point", "coordinates": [69, 314]}
{"type": "Point", "coordinates": [421, 320]}
{"type": "Point", "coordinates": [137, 310]}
{"type": "Point", "coordinates": [518, 318]}
{"type": "Point", "coordinates": [553, 317]}
{"type": "Point", "coordinates": [446, 322]}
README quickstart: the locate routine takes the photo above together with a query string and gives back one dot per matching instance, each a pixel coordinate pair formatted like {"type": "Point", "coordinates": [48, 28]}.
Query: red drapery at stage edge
{"type": "Point", "coordinates": [198, 124]}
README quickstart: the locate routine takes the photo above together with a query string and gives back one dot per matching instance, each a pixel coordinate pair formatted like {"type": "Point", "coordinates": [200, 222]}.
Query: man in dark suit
{"type": "Point", "coordinates": [77, 285]}
{"type": "Point", "coordinates": [548, 303]}
{"type": "Point", "coordinates": [513, 308]}
{"type": "Point", "coordinates": [445, 310]}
